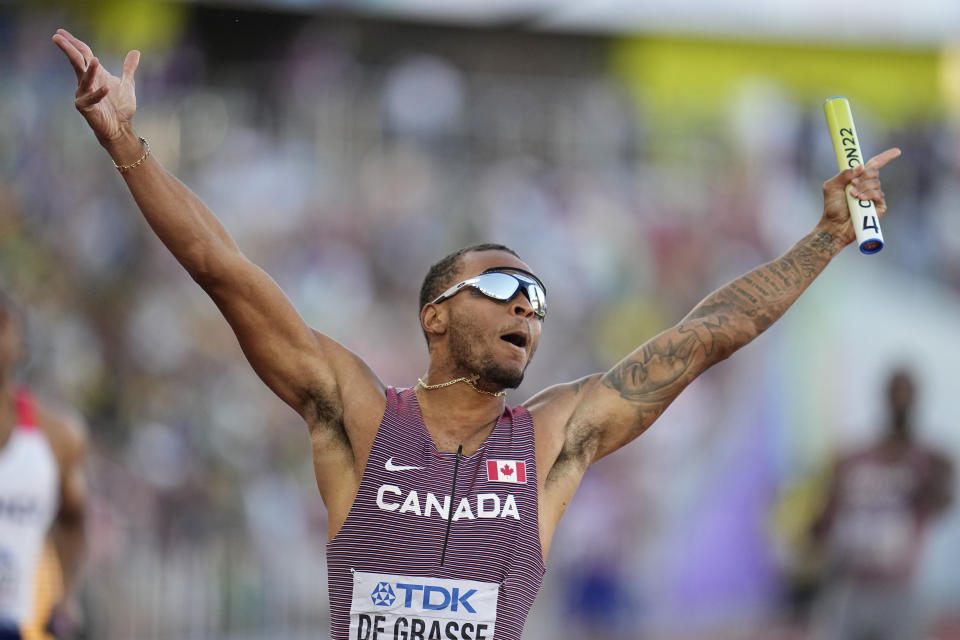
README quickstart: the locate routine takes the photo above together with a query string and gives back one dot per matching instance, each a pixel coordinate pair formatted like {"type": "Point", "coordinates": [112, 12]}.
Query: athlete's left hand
{"type": "Point", "coordinates": [866, 186]}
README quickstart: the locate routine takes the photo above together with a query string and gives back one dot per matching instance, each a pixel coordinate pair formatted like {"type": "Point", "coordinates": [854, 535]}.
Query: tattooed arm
{"type": "Point", "coordinates": [601, 413]}
{"type": "Point", "coordinates": [649, 379]}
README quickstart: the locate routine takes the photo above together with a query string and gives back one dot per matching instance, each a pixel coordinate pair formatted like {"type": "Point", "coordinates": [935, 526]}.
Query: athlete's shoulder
{"type": "Point", "coordinates": [64, 427]}
{"type": "Point", "coordinates": [935, 463]}
{"type": "Point", "coordinates": [561, 414]}
{"type": "Point", "coordinates": [932, 454]}
{"type": "Point", "coordinates": [554, 405]}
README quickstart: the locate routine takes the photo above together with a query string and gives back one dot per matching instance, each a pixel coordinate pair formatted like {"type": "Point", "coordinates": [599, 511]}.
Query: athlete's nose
{"type": "Point", "coordinates": [521, 306]}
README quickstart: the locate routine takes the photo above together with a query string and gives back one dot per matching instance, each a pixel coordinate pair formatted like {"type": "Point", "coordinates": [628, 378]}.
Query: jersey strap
{"type": "Point", "coordinates": [26, 410]}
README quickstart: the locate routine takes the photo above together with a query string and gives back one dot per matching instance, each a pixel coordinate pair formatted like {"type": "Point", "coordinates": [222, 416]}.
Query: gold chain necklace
{"type": "Point", "coordinates": [430, 387]}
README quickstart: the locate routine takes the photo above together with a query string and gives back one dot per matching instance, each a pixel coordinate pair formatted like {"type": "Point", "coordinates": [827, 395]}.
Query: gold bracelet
{"type": "Point", "coordinates": [123, 168]}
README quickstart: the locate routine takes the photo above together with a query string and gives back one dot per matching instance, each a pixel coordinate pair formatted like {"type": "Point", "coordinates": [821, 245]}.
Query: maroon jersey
{"type": "Point", "coordinates": [439, 545]}
{"type": "Point", "coordinates": [882, 499]}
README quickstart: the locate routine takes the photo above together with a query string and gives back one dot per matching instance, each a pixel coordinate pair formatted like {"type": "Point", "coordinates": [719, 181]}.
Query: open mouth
{"type": "Point", "coordinates": [517, 339]}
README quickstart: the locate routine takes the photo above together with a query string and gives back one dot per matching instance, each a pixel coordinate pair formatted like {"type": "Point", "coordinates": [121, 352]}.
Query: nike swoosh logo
{"type": "Point", "coordinates": [399, 467]}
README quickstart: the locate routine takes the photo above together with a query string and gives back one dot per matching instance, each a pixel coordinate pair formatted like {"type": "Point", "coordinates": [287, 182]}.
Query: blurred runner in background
{"type": "Point", "coordinates": [881, 501]}
{"type": "Point", "coordinates": [42, 491]}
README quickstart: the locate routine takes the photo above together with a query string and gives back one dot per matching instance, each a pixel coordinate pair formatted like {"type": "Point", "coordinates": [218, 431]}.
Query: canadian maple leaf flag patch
{"type": "Point", "coordinates": [512, 471]}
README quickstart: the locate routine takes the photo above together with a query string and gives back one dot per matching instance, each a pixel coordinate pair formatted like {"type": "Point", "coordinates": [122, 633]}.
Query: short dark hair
{"type": "Point", "coordinates": [440, 276]}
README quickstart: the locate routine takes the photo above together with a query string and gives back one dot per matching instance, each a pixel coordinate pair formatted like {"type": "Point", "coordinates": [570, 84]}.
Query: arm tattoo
{"type": "Point", "coordinates": [651, 373]}
{"type": "Point", "coordinates": [763, 294]}
{"type": "Point", "coordinates": [724, 321]}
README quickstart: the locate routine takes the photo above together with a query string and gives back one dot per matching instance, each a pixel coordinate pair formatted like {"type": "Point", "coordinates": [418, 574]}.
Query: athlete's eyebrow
{"type": "Point", "coordinates": [518, 270]}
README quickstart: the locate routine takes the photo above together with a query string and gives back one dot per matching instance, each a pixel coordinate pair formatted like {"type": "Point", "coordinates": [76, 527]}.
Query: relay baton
{"type": "Point", "coordinates": [866, 223]}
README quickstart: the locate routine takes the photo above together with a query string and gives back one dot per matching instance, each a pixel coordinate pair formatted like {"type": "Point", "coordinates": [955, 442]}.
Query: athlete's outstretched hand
{"type": "Point", "coordinates": [866, 186]}
{"type": "Point", "coordinates": [106, 101]}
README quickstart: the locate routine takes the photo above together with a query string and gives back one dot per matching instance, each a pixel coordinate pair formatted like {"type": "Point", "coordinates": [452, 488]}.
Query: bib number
{"type": "Point", "coordinates": [394, 607]}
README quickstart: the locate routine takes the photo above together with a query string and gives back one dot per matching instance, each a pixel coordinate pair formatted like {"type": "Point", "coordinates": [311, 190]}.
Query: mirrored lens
{"type": "Point", "coordinates": [534, 292]}
{"type": "Point", "coordinates": [537, 299]}
{"type": "Point", "coordinates": [503, 286]}
{"type": "Point", "coordinates": [497, 285]}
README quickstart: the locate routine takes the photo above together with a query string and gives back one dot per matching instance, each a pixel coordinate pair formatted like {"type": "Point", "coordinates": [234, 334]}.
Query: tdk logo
{"type": "Point", "coordinates": [424, 597]}
{"type": "Point", "coordinates": [383, 595]}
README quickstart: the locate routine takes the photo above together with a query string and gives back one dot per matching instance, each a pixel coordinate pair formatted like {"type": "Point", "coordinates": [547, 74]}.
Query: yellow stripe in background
{"type": "Point", "coordinates": [678, 79]}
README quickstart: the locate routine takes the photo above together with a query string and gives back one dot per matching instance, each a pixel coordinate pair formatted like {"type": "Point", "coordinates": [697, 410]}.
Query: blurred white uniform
{"type": "Point", "coordinates": [29, 495]}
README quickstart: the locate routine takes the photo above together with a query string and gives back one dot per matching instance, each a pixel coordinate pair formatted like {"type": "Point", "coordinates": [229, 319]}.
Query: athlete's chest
{"type": "Point", "coordinates": [430, 485]}
{"type": "Point", "coordinates": [28, 481]}
{"type": "Point", "coordinates": [427, 512]}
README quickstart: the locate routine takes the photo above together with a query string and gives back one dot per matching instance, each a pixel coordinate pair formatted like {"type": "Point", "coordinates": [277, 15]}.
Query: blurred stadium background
{"type": "Point", "coordinates": [636, 154]}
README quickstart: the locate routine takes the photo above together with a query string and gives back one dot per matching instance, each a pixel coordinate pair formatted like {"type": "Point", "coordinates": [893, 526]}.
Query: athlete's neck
{"type": "Point", "coordinates": [8, 411]}
{"type": "Point", "coordinates": [457, 414]}
{"type": "Point", "coordinates": [461, 380]}
{"type": "Point", "coordinates": [900, 431]}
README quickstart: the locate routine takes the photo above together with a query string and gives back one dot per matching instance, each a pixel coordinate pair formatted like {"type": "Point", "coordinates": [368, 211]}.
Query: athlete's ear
{"type": "Point", "coordinates": [434, 319]}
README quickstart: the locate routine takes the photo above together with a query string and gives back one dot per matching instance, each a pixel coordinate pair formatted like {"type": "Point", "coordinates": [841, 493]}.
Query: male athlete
{"type": "Point", "coordinates": [442, 501]}
{"type": "Point", "coordinates": [874, 526]}
{"type": "Point", "coordinates": [42, 491]}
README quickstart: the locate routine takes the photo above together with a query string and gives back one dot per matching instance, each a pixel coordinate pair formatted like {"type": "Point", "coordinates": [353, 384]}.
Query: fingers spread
{"type": "Point", "coordinates": [130, 66]}
{"type": "Point", "coordinates": [79, 44]}
{"type": "Point", "coordinates": [86, 80]}
{"type": "Point", "coordinates": [75, 57]}
{"type": "Point", "coordinates": [883, 158]}
{"type": "Point", "coordinates": [86, 101]}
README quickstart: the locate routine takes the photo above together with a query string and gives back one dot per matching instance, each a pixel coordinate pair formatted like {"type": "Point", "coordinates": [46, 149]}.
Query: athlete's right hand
{"type": "Point", "coordinates": [106, 101]}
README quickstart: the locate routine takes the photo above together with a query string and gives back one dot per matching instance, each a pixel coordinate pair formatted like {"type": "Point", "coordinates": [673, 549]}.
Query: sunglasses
{"type": "Point", "coordinates": [503, 286]}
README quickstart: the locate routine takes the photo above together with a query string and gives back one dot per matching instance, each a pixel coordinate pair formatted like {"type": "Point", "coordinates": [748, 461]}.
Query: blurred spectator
{"type": "Point", "coordinates": [882, 499]}
{"type": "Point", "coordinates": [42, 491]}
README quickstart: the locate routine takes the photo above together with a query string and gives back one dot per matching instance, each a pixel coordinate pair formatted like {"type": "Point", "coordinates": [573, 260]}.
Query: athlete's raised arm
{"type": "Point", "coordinates": [310, 372]}
{"type": "Point", "coordinates": [604, 412]}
